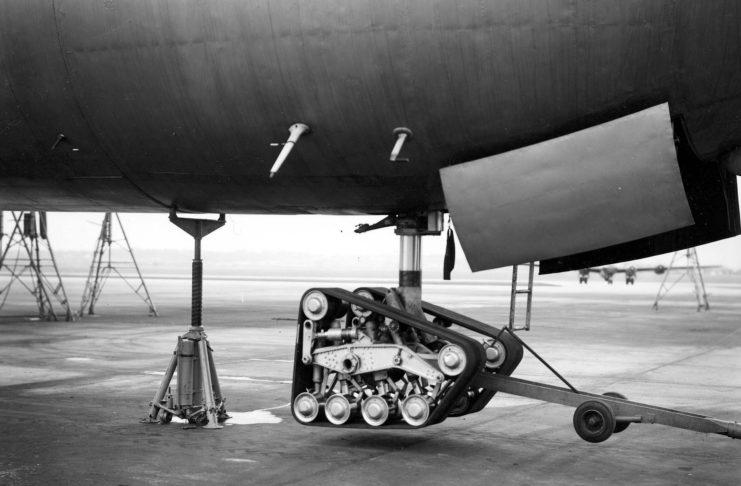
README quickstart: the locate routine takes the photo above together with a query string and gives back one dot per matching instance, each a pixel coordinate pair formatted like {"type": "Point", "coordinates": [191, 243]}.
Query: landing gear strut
{"type": "Point", "coordinates": [197, 397]}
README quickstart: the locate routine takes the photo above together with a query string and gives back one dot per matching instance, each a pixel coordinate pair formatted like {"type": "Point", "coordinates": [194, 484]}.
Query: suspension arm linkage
{"type": "Point", "coordinates": [624, 410]}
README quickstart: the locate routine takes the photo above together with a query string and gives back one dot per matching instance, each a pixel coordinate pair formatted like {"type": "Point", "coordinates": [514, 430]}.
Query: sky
{"type": "Point", "coordinates": [298, 240]}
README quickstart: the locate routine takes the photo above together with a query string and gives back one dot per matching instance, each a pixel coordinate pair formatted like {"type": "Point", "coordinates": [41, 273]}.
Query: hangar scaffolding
{"type": "Point", "coordinates": [27, 259]}
{"type": "Point", "coordinates": [692, 270]}
{"type": "Point", "coordinates": [103, 266]}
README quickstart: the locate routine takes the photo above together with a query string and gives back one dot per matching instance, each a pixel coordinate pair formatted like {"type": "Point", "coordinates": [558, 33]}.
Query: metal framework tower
{"type": "Point", "coordinates": [693, 270]}
{"type": "Point", "coordinates": [29, 260]}
{"type": "Point", "coordinates": [103, 265]}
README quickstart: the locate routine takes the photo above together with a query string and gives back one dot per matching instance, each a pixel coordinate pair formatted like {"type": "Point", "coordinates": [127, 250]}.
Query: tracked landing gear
{"type": "Point", "coordinates": [361, 362]}
{"type": "Point", "coordinates": [197, 396]}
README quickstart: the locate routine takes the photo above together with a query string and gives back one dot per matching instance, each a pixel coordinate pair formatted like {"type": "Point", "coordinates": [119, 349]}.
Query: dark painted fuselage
{"type": "Point", "coordinates": [176, 103]}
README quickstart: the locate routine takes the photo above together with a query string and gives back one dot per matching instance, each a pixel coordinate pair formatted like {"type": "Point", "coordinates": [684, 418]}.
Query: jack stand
{"type": "Point", "coordinates": [694, 271]}
{"type": "Point", "coordinates": [198, 397]}
{"type": "Point", "coordinates": [100, 270]}
{"type": "Point", "coordinates": [34, 265]}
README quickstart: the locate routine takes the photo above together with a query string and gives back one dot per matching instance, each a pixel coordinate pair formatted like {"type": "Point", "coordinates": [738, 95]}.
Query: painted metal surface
{"type": "Point", "coordinates": [175, 102]}
{"type": "Point", "coordinates": [588, 189]}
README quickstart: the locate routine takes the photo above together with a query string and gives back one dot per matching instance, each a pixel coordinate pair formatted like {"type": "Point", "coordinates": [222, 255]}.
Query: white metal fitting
{"type": "Point", "coordinates": [401, 134]}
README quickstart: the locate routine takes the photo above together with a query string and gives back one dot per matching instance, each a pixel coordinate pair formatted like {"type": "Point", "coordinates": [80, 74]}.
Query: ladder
{"type": "Point", "coordinates": [517, 290]}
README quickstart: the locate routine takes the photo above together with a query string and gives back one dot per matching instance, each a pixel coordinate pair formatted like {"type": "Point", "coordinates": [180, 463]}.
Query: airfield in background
{"type": "Point", "coordinates": [72, 393]}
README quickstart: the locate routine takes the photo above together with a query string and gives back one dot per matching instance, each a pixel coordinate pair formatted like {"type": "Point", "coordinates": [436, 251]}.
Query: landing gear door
{"type": "Point", "coordinates": [605, 185]}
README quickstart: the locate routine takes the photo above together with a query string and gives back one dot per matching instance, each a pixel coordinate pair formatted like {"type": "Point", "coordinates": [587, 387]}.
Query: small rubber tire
{"type": "Point", "coordinates": [619, 426]}
{"type": "Point", "coordinates": [200, 419]}
{"type": "Point", "coordinates": [164, 417]}
{"type": "Point", "coordinates": [594, 421]}
{"type": "Point", "coordinates": [460, 405]}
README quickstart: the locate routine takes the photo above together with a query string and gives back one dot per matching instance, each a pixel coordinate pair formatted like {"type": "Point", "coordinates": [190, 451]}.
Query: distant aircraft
{"type": "Point", "coordinates": [576, 135]}
{"type": "Point", "coordinates": [630, 273]}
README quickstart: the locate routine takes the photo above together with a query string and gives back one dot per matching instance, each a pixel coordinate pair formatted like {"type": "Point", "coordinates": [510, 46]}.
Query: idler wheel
{"type": "Point", "coordinates": [620, 425]}
{"type": "Point", "coordinates": [306, 407]}
{"type": "Point", "coordinates": [452, 360]}
{"type": "Point", "coordinates": [594, 421]}
{"type": "Point", "coordinates": [337, 409]}
{"type": "Point", "coordinates": [375, 410]}
{"type": "Point", "coordinates": [315, 305]}
{"type": "Point", "coordinates": [356, 309]}
{"type": "Point", "coordinates": [415, 410]}
{"type": "Point", "coordinates": [495, 354]}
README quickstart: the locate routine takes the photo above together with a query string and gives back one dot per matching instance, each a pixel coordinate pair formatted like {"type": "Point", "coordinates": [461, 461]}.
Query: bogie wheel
{"type": "Point", "coordinates": [619, 426]}
{"type": "Point", "coordinates": [594, 421]}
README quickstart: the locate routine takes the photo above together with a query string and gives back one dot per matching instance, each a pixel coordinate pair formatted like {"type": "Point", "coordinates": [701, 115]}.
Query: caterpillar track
{"type": "Point", "coordinates": [363, 361]}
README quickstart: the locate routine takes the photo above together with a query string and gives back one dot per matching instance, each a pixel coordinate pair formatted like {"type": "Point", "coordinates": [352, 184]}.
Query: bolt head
{"type": "Point", "coordinates": [305, 407]}
{"type": "Point", "coordinates": [314, 305]}
{"type": "Point", "coordinates": [374, 410]}
{"type": "Point", "coordinates": [415, 410]}
{"type": "Point", "coordinates": [336, 409]}
{"type": "Point", "coordinates": [451, 359]}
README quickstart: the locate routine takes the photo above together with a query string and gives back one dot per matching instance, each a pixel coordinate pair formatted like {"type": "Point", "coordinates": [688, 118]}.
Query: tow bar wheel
{"type": "Point", "coordinates": [594, 421]}
{"type": "Point", "coordinates": [619, 425]}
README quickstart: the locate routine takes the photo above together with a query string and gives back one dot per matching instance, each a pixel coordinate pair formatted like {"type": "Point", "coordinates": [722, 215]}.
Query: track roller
{"type": "Point", "coordinates": [416, 410]}
{"type": "Point", "coordinates": [375, 410]}
{"type": "Point", "coordinates": [338, 409]}
{"type": "Point", "coordinates": [306, 407]}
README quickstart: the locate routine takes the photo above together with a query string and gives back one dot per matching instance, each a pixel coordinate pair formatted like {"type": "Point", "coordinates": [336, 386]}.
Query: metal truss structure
{"type": "Point", "coordinates": [693, 271]}
{"type": "Point", "coordinates": [28, 259]}
{"type": "Point", "coordinates": [103, 265]}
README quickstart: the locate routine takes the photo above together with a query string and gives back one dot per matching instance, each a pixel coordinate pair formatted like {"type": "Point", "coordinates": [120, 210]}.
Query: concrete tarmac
{"type": "Point", "coordinates": [72, 393]}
